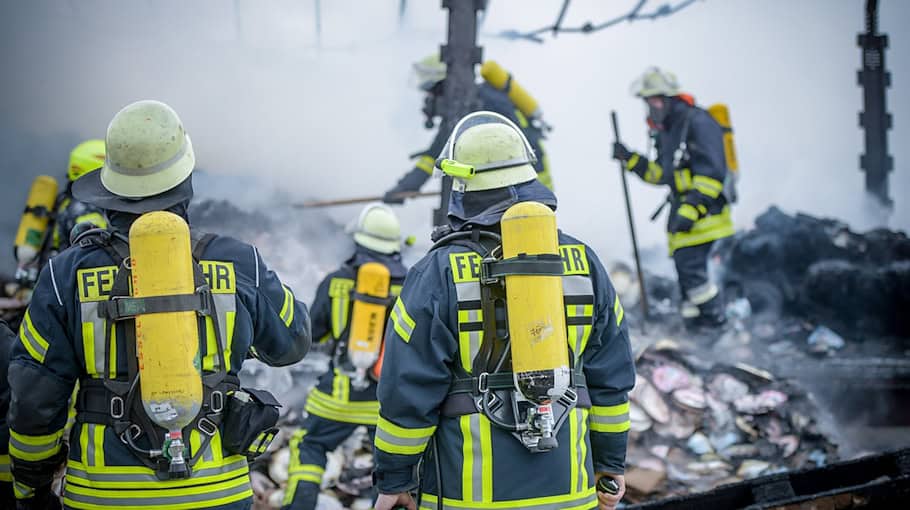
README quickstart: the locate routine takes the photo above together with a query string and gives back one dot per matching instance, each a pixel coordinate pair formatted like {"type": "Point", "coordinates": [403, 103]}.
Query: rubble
{"type": "Point", "coordinates": [718, 423]}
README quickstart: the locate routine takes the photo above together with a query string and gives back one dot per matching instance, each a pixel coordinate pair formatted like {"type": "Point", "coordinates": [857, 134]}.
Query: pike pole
{"type": "Point", "coordinates": [625, 190]}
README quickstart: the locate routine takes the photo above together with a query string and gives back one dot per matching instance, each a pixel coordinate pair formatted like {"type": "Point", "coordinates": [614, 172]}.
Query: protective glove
{"type": "Point", "coordinates": [621, 153]}
{"type": "Point", "coordinates": [684, 219]}
{"type": "Point", "coordinates": [411, 182]}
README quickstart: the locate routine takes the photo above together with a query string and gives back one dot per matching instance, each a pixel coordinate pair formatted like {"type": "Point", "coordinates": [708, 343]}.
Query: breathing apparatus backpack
{"type": "Point", "coordinates": [522, 378]}
{"type": "Point", "coordinates": [33, 234]}
{"type": "Point", "coordinates": [162, 294]}
{"type": "Point", "coordinates": [502, 80]}
{"type": "Point", "coordinates": [360, 354]}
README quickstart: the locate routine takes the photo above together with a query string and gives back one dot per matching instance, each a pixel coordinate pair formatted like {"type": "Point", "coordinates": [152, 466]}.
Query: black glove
{"type": "Point", "coordinates": [682, 221]}
{"type": "Point", "coordinates": [411, 182]}
{"type": "Point", "coordinates": [43, 499]}
{"type": "Point", "coordinates": [621, 153]}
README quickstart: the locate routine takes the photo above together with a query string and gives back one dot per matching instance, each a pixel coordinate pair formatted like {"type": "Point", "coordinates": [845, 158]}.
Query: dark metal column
{"type": "Point", "coordinates": [874, 119]}
{"type": "Point", "coordinates": [459, 95]}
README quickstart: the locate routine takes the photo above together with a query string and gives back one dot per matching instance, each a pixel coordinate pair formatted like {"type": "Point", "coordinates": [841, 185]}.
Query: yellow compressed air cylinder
{"type": "Point", "coordinates": [721, 114]}
{"type": "Point", "coordinates": [368, 316]}
{"type": "Point", "coordinates": [33, 227]}
{"type": "Point", "coordinates": [167, 343]}
{"type": "Point", "coordinates": [536, 310]}
{"type": "Point", "coordinates": [498, 77]}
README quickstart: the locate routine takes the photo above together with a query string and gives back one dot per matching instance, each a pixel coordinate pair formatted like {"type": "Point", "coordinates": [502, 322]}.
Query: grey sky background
{"type": "Point", "coordinates": [278, 114]}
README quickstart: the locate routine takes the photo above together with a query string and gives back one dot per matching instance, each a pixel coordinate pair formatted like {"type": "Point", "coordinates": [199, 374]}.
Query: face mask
{"type": "Point", "coordinates": [658, 108]}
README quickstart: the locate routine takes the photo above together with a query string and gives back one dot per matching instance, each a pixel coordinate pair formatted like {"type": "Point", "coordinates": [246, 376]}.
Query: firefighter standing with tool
{"type": "Point", "coordinates": [146, 300]}
{"type": "Point", "coordinates": [49, 217]}
{"type": "Point", "coordinates": [499, 93]}
{"type": "Point", "coordinates": [691, 160]}
{"type": "Point", "coordinates": [507, 361]}
{"type": "Point", "coordinates": [350, 311]}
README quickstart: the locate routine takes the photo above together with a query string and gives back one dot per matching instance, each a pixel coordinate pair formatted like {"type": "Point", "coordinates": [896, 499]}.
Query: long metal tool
{"type": "Point", "coordinates": [625, 190]}
{"type": "Point", "coordinates": [362, 200]}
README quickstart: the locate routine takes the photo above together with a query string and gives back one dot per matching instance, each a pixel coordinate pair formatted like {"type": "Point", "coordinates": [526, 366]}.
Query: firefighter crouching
{"type": "Point", "coordinates": [350, 311]}
{"type": "Point", "coordinates": [507, 359]}
{"type": "Point", "coordinates": [154, 323]}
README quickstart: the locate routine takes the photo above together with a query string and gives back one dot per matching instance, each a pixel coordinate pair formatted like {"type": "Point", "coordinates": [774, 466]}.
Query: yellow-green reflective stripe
{"type": "Point", "coordinates": [618, 311]}
{"type": "Point", "coordinates": [304, 477]}
{"type": "Point", "coordinates": [688, 211]}
{"type": "Point", "coordinates": [342, 416]}
{"type": "Point", "coordinates": [393, 438]}
{"type": "Point", "coordinates": [287, 308]}
{"type": "Point", "coordinates": [583, 417]}
{"type": "Point", "coordinates": [399, 431]}
{"type": "Point", "coordinates": [5, 474]}
{"type": "Point", "coordinates": [34, 343]}
{"type": "Point", "coordinates": [708, 186]}
{"type": "Point", "coordinates": [184, 498]}
{"type": "Point", "coordinates": [574, 450]}
{"type": "Point", "coordinates": [22, 491]}
{"type": "Point", "coordinates": [583, 500]}
{"type": "Point", "coordinates": [34, 447]}
{"type": "Point", "coordinates": [610, 418]}
{"type": "Point", "coordinates": [426, 163]}
{"type": "Point", "coordinates": [705, 230]}
{"type": "Point", "coordinates": [403, 323]}
{"type": "Point", "coordinates": [477, 452]}
{"type": "Point", "coordinates": [112, 350]}
{"type": "Point", "coordinates": [654, 173]}
{"type": "Point", "coordinates": [630, 164]}
{"type": "Point", "coordinates": [93, 218]}
{"type": "Point", "coordinates": [114, 477]}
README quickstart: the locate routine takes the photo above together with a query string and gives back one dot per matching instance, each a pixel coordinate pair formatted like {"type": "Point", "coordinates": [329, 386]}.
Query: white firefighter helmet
{"type": "Point", "coordinates": [655, 82]}
{"type": "Point", "coordinates": [487, 151]}
{"type": "Point", "coordinates": [429, 71]}
{"type": "Point", "coordinates": [377, 228]}
{"type": "Point", "coordinates": [148, 151]}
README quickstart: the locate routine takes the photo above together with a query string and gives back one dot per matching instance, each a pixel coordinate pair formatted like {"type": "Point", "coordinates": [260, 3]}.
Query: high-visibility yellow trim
{"type": "Point", "coordinates": [34, 343]}
{"type": "Point", "coordinates": [34, 448]}
{"type": "Point", "coordinates": [467, 455]}
{"type": "Point", "coordinates": [408, 433]}
{"type": "Point", "coordinates": [95, 283]}
{"type": "Point", "coordinates": [486, 449]}
{"type": "Point", "coordinates": [584, 500]}
{"type": "Point", "coordinates": [654, 173]}
{"type": "Point", "coordinates": [77, 495]}
{"type": "Point", "coordinates": [617, 410]}
{"type": "Point", "coordinates": [306, 473]}
{"type": "Point", "coordinates": [140, 477]}
{"type": "Point", "coordinates": [112, 350]}
{"type": "Point", "coordinates": [362, 413]}
{"type": "Point", "coordinates": [682, 178]}
{"type": "Point", "coordinates": [618, 311]}
{"type": "Point", "coordinates": [688, 211]}
{"type": "Point", "coordinates": [707, 229]}
{"type": "Point", "coordinates": [707, 186]}
{"type": "Point", "coordinates": [632, 161]}
{"type": "Point", "coordinates": [392, 438]}
{"type": "Point", "coordinates": [612, 419]}
{"type": "Point", "coordinates": [426, 163]}
{"type": "Point", "coordinates": [93, 218]}
{"type": "Point", "coordinates": [573, 450]}
{"type": "Point", "coordinates": [211, 346]}
{"type": "Point", "coordinates": [5, 474]}
{"type": "Point", "coordinates": [287, 308]}
{"type": "Point", "coordinates": [584, 446]}
{"type": "Point", "coordinates": [401, 321]}
{"type": "Point", "coordinates": [88, 347]}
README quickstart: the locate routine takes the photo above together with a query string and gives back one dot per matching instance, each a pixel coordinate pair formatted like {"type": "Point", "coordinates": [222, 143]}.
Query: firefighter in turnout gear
{"type": "Point", "coordinates": [498, 92]}
{"type": "Point", "coordinates": [344, 399]}
{"type": "Point", "coordinates": [691, 162]}
{"type": "Point", "coordinates": [83, 325]}
{"type": "Point", "coordinates": [507, 361]}
{"type": "Point", "coordinates": [49, 217]}
{"type": "Point", "coordinates": [7, 339]}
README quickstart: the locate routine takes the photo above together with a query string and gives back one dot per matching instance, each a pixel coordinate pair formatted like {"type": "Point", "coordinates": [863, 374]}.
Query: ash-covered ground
{"type": "Point", "coordinates": [811, 368]}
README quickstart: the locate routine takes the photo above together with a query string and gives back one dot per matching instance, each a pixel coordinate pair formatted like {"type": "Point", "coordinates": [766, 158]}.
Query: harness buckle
{"type": "Point", "coordinates": [134, 432]}
{"type": "Point", "coordinates": [205, 297]}
{"type": "Point", "coordinates": [570, 397]}
{"type": "Point", "coordinates": [216, 402]}
{"type": "Point", "coordinates": [483, 384]}
{"type": "Point", "coordinates": [485, 267]}
{"type": "Point", "coordinates": [207, 426]}
{"type": "Point", "coordinates": [117, 407]}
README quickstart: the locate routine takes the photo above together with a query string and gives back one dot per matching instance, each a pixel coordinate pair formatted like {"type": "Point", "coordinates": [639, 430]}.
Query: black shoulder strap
{"type": "Point", "coordinates": [200, 243]}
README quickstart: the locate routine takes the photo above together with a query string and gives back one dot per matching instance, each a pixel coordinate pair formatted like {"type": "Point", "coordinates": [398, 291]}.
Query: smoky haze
{"type": "Point", "coordinates": [279, 111]}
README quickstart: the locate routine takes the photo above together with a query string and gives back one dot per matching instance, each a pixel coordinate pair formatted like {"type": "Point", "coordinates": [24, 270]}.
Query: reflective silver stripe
{"type": "Point", "coordinates": [50, 265]}
{"type": "Point", "coordinates": [26, 335]}
{"type": "Point", "coordinates": [477, 460]}
{"type": "Point", "coordinates": [208, 456]}
{"type": "Point", "coordinates": [224, 304]}
{"type": "Point", "coordinates": [288, 309]}
{"type": "Point", "coordinates": [31, 448]}
{"type": "Point", "coordinates": [474, 315]}
{"type": "Point", "coordinates": [401, 441]}
{"type": "Point", "coordinates": [703, 293]}
{"type": "Point", "coordinates": [609, 420]}
{"type": "Point", "coordinates": [587, 501]}
{"type": "Point", "coordinates": [474, 340]}
{"type": "Point", "coordinates": [577, 285]}
{"type": "Point", "coordinates": [689, 310]}
{"type": "Point", "coordinates": [256, 263]}
{"type": "Point", "coordinates": [151, 478]}
{"type": "Point", "coordinates": [579, 447]}
{"type": "Point", "coordinates": [132, 500]}
{"type": "Point", "coordinates": [90, 316]}
{"type": "Point", "coordinates": [398, 316]}
{"type": "Point", "coordinates": [468, 291]}
{"type": "Point", "coordinates": [149, 170]}
{"type": "Point", "coordinates": [90, 445]}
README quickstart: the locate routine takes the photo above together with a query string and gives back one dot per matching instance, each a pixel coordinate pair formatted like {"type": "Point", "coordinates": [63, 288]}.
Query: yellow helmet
{"type": "Point", "coordinates": [85, 157]}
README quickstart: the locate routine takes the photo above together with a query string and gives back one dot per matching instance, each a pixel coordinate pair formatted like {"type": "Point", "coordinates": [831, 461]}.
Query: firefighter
{"type": "Point", "coordinates": [7, 339]}
{"type": "Point", "coordinates": [495, 93]}
{"type": "Point", "coordinates": [691, 162]}
{"type": "Point", "coordinates": [74, 330]}
{"type": "Point", "coordinates": [84, 158]}
{"type": "Point", "coordinates": [447, 390]}
{"type": "Point", "coordinates": [338, 404]}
